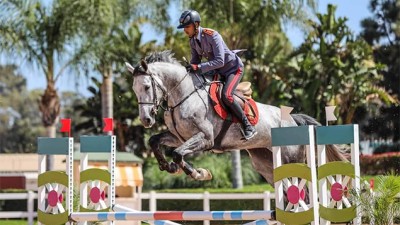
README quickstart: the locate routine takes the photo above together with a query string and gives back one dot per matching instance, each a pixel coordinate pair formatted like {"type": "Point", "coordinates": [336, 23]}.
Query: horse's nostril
{"type": "Point", "coordinates": [148, 120]}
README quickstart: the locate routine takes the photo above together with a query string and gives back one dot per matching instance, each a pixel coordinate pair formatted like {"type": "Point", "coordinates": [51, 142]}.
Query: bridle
{"type": "Point", "coordinates": [158, 104]}
{"type": "Point", "coordinates": [154, 84]}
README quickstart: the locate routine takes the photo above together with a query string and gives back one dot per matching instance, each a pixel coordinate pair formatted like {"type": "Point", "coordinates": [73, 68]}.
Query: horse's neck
{"type": "Point", "coordinates": [179, 86]}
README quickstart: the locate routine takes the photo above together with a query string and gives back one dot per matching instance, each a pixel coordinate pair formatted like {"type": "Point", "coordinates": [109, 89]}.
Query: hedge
{"type": "Point", "coordinates": [380, 163]}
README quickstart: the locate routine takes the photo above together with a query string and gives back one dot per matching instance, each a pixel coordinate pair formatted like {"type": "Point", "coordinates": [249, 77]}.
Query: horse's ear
{"type": "Point", "coordinates": [130, 67]}
{"type": "Point", "coordinates": [144, 65]}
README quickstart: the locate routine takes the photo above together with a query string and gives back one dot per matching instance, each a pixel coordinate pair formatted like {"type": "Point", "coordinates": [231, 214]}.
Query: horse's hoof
{"type": "Point", "coordinates": [205, 174]}
{"type": "Point", "coordinates": [174, 169]}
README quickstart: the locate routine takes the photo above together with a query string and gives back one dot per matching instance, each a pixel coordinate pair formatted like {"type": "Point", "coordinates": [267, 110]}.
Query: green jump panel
{"type": "Point", "coordinates": [59, 177]}
{"type": "Point", "coordinates": [334, 168]}
{"type": "Point", "coordinates": [292, 170]}
{"type": "Point", "coordinates": [338, 215]}
{"type": "Point", "coordinates": [52, 146]}
{"type": "Point", "coordinates": [96, 143]}
{"type": "Point", "coordinates": [340, 134]}
{"type": "Point", "coordinates": [283, 136]}
{"type": "Point", "coordinates": [95, 174]}
{"type": "Point", "coordinates": [53, 219]}
{"type": "Point", "coordinates": [293, 218]}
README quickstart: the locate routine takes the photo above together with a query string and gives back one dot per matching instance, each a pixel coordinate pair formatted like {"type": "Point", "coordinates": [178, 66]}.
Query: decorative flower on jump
{"type": "Point", "coordinates": [295, 194]}
{"type": "Point", "coordinates": [97, 194]}
{"type": "Point", "coordinates": [55, 198]}
{"type": "Point", "coordinates": [339, 189]}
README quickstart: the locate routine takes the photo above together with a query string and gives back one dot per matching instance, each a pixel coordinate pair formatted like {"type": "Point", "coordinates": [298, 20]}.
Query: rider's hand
{"type": "Point", "coordinates": [192, 67]}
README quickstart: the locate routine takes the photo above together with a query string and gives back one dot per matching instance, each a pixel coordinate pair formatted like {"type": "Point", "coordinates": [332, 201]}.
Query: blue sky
{"type": "Point", "coordinates": [354, 10]}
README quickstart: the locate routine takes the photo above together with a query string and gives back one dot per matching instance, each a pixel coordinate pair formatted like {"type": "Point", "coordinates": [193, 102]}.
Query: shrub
{"type": "Point", "coordinates": [380, 163]}
{"type": "Point", "coordinates": [381, 206]}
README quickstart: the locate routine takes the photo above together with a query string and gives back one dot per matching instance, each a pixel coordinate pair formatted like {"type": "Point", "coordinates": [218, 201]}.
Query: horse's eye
{"type": "Point", "coordinates": [146, 87]}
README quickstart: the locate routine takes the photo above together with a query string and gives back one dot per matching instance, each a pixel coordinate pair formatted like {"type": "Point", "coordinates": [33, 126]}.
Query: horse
{"type": "Point", "coordinates": [193, 125]}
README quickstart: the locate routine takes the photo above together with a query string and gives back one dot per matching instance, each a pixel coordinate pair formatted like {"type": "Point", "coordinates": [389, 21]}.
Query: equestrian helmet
{"type": "Point", "coordinates": [188, 17]}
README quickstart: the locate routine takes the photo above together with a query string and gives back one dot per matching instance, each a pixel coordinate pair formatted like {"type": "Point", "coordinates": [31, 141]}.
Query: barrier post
{"type": "Point", "coordinates": [31, 198]}
{"type": "Point", "coordinates": [338, 177]}
{"type": "Point", "coordinates": [296, 210]}
{"type": "Point", "coordinates": [96, 179]}
{"type": "Point", "coordinates": [54, 184]}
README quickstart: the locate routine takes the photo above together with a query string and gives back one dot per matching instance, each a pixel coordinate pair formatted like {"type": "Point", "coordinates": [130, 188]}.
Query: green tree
{"type": "Point", "coordinates": [68, 101]}
{"type": "Point", "coordinates": [115, 38]}
{"type": "Point", "coordinates": [19, 123]}
{"type": "Point", "coordinates": [130, 133]}
{"type": "Point", "coordinates": [382, 30]}
{"type": "Point", "coordinates": [42, 35]}
{"type": "Point", "coordinates": [333, 68]}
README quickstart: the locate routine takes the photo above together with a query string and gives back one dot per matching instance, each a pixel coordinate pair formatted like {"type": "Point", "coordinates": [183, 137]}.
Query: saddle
{"type": "Point", "coordinates": [242, 95]}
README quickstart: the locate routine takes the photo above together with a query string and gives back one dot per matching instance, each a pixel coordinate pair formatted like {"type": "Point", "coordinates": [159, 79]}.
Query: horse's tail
{"type": "Point", "coordinates": [333, 152]}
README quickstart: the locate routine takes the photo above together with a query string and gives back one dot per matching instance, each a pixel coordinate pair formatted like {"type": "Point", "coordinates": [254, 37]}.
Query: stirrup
{"type": "Point", "coordinates": [244, 135]}
{"type": "Point", "coordinates": [251, 136]}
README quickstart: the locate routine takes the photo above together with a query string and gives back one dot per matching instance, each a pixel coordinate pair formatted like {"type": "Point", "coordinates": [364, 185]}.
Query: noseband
{"type": "Point", "coordinates": [157, 104]}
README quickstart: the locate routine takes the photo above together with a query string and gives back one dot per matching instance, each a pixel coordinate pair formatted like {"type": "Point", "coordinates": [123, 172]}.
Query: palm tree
{"type": "Point", "coordinates": [116, 38]}
{"type": "Point", "coordinates": [41, 35]}
{"type": "Point", "coordinates": [333, 67]}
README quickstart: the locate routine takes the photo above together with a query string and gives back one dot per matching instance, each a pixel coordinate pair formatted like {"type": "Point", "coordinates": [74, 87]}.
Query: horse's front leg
{"type": "Point", "coordinates": [168, 139]}
{"type": "Point", "coordinates": [198, 142]}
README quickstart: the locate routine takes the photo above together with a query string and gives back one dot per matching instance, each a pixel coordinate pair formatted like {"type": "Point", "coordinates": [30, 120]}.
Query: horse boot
{"type": "Point", "coordinates": [248, 130]}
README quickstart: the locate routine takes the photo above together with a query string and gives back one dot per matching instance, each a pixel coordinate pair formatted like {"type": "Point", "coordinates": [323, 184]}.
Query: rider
{"type": "Point", "coordinates": [209, 44]}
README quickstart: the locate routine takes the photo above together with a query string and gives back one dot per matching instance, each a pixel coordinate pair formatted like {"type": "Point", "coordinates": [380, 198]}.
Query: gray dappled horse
{"type": "Point", "coordinates": [193, 124]}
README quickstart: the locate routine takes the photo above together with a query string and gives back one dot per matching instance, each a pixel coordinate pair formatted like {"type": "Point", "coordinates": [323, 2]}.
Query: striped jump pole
{"type": "Point", "coordinates": [120, 208]}
{"type": "Point", "coordinates": [174, 215]}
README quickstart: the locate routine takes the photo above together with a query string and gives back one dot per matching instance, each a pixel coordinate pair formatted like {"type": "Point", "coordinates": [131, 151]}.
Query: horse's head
{"type": "Point", "coordinates": [149, 92]}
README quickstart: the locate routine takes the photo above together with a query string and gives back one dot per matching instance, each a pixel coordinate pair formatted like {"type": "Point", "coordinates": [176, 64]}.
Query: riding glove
{"type": "Point", "coordinates": [192, 67]}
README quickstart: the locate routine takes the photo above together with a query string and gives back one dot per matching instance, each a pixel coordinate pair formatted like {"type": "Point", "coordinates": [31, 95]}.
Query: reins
{"type": "Point", "coordinates": [158, 104]}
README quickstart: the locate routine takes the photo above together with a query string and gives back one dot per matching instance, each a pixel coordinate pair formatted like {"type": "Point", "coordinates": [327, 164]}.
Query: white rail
{"type": "Point", "coordinates": [206, 197]}
{"type": "Point", "coordinates": [30, 214]}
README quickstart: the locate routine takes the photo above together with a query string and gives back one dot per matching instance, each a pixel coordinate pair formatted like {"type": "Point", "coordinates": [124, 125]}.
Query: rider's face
{"type": "Point", "coordinates": [190, 30]}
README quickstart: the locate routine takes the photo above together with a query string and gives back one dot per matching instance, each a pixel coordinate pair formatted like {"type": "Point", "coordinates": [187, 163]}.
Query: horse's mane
{"type": "Point", "coordinates": [163, 56]}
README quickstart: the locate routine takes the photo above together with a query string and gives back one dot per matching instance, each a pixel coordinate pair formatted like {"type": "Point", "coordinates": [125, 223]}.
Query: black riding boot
{"type": "Point", "coordinates": [248, 130]}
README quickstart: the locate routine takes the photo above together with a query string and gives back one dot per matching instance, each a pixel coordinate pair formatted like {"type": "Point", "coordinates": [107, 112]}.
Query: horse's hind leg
{"type": "Point", "coordinates": [168, 139]}
{"type": "Point", "coordinates": [196, 143]}
{"type": "Point", "coordinates": [262, 161]}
